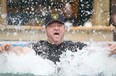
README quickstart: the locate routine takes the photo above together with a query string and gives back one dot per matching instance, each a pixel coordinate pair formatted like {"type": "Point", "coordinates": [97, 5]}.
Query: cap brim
{"type": "Point", "coordinates": [54, 22]}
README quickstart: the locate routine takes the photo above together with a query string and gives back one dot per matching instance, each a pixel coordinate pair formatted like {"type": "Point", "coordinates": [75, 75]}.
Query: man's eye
{"type": "Point", "coordinates": [50, 25]}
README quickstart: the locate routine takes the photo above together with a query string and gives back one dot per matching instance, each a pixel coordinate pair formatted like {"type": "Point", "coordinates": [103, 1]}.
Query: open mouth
{"type": "Point", "coordinates": [56, 33]}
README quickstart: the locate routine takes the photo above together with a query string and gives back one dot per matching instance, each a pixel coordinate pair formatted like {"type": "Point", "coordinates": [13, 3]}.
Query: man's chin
{"type": "Point", "coordinates": [56, 37]}
{"type": "Point", "coordinates": [57, 40]}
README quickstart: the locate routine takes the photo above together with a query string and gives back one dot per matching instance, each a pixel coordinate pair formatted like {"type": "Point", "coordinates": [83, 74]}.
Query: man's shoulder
{"type": "Point", "coordinates": [73, 42]}
{"type": "Point", "coordinates": [38, 45]}
{"type": "Point", "coordinates": [39, 42]}
{"type": "Point", "coordinates": [78, 44]}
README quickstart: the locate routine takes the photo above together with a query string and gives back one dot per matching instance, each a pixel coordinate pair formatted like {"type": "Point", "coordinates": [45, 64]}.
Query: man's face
{"type": "Point", "coordinates": [55, 32]}
{"type": "Point", "coordinates": [68, 10]}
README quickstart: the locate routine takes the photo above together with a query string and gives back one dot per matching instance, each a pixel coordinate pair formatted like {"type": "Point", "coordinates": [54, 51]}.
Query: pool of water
{"type": "Point", "coordinates": [92, 60]}
{"type": "Point", "coordinates": [15, 43]}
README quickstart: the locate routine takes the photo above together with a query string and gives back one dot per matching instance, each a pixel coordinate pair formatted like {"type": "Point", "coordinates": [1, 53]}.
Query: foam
{"type": "Point", "coordinates": [28, 63]}
{"type": "Point", "coordinates": [91, 60]}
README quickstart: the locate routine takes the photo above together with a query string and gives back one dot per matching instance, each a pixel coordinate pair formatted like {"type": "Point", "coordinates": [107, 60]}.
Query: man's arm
{"type": "Point", "coordinates": [16, 49]}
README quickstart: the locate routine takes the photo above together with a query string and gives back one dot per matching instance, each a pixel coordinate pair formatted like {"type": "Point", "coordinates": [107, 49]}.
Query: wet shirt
{"type": "Point", "coordinates": [52, 51]}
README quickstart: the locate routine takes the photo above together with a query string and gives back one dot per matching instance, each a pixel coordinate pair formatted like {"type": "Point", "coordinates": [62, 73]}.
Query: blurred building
{"type": "Point", "coordinates": [22, 12]}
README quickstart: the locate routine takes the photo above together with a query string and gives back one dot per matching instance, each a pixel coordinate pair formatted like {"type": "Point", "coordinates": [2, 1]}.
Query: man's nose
{"type": "Point", "coordinates": [56, 27]}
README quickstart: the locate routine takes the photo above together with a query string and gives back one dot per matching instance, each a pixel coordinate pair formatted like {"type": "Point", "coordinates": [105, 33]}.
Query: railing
{"type": "Point", "coordinates": [105, 28]}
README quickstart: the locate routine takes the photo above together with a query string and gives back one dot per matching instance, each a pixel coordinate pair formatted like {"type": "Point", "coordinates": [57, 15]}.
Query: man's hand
{"type": "Point", "coordinates": [6, 47]}
{"type": "Point", "coordinates": [18, 50]}
{"type": "Point", "coordinates": [112, 49]}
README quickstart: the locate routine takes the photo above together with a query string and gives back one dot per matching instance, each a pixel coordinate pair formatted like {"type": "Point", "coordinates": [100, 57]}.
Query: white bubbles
{"type": "Point", "coordinates": [32, 8]}
{"type": "Point", "coordinates": [88, 12]}
{"type": "Point", "coordinates": [88, 24]}
{"type": "Point", "coordinates": [68, 25]}
{"type": "Point", "coordinates": [15, 33]}
{"type": "Point", "coordinates": [92, 60]}
{"type": "Point", "coordinates": [7, 34]}
{"type": "Point", "coordinates": [43, 13]}
{"type": "Point", "coordinates": [28, 63]}
{"type": "Point", "coordinates": [3, 16]}
{"type": "Point", "coordinates": [81, 0]}
{"type": "Point", "coordinates": [82, 5]}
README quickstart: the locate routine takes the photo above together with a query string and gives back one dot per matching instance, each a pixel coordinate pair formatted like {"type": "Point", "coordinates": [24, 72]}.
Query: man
{"type": "Point", "coordinates": [55, 44]}
{"type": "Point", "coordinates": [68, 11]}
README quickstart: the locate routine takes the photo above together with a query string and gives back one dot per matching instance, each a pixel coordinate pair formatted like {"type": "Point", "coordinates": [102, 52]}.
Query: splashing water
{"type": "Point", "coordinates": [28, 63]}
{"type": "Point", "coordinates": [92, 60]}
{"type": "Point", "coordinates": [68, 25]}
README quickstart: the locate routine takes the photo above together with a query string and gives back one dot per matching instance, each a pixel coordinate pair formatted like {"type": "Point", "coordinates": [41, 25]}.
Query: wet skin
{"type": "Point", "coordinates": [55, 33]}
